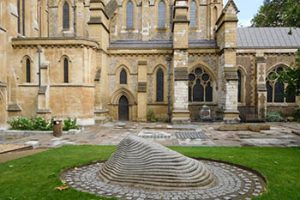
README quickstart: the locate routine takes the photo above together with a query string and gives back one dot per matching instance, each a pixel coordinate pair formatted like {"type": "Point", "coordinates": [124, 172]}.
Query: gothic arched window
{"type": "Point", "coordinates": [66, 70]}
{"type": "Point", "coordinates": [129, 15]}
{"type": "Point", "coordinates": [200, 86]}
{"type": "Point", "coordinates": [239, 74]}
{"type": "Point", "coordinates": [193, 14]}
{"type": "Point", "coordinates": [28, 70]}
{"type": "Point", "coordinates": [66, 16]}
{"type": "Point", "coordinates": [159, 85]}
{"type": "Point", "coordinates": [123, 77]}
{"type": "Point", "coordinates": [276, 89]}
{"type": "Point", "coordinates": [161, 14]}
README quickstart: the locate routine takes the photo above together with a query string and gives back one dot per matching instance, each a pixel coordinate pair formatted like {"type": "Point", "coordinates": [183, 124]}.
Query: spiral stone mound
{"type": "Point", "coordinates": [144, 164]}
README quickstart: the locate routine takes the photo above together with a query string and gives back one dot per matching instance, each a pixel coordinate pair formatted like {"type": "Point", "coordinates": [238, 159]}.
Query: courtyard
{"type": "Point", "coordinates": [35, 173]}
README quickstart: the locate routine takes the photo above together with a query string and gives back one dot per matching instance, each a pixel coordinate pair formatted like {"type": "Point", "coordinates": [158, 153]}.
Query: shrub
{"type": "Point", "coordinates": [151, 117]}
{"type": "Point", "coordinates": [39, 123]}
{"type": "Point", "coordinates": [274, 117]}
{"type": "Point", "coordinates": [297, 115]}
{"type": "Point", "coordinates": [70, 124]}
{"type": "Point", "coordinates": [20, 123]}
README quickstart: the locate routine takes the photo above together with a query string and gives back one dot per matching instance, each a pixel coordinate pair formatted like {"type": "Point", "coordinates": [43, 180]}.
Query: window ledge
{"type": "Point", "coordinates": [282, 104]}
{"type": "Point", "coordinates": [202, 103]}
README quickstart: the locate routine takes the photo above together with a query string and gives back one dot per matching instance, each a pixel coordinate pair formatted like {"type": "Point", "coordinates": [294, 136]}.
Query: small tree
{"type": "Point", "coordinates": [291, 76]}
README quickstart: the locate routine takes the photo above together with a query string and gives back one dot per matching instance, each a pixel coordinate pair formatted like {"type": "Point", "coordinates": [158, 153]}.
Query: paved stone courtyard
{"type": "Point", "coordinates": [195, 134]}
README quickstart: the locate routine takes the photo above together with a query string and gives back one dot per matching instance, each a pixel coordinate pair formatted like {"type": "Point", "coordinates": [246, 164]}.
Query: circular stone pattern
{"type": "Point", "coordinates": [232, 182]}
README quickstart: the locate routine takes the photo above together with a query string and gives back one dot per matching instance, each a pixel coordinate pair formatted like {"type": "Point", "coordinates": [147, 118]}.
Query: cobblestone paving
{"type": "Point", "coordinates": [232, 183]}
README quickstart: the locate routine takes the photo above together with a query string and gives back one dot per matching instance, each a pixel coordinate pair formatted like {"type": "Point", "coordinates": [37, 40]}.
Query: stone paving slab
{"type": "Point", "coordinates": [112, 133]}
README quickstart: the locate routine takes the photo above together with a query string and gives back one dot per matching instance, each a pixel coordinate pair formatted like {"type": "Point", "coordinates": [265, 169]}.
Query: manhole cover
{"type": "Point", "coordinates": [190, 135]}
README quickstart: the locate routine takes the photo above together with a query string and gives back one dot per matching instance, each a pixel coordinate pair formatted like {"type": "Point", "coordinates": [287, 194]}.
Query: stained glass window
{"type": "Point", "coordinates": [66, 70]}
{"type": "Point", "coordinates": [66, 16]}
{"type": "Point", "coordinates": [28, 70]}
{"type": "Point", "coordinates": [276, 89]}
{"type": "Point", "coordinates": [200, 86]}
{"type": "Point", "coordinates": [129, 15]}
{"type": "Point", "coordinates": [161, 14]}
{"type": "Point", "coordinates": [123, 77]}
{"type": "Point", "coordinates": [239, 86]}
{"type": "Point", "coordinates": [159, 85]}
{"type": "Point", "coordinates": [193, 14]}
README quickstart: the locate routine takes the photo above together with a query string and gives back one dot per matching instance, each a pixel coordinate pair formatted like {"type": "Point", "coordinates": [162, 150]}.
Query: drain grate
{"type": "Point", "coordinates": [191, 135]}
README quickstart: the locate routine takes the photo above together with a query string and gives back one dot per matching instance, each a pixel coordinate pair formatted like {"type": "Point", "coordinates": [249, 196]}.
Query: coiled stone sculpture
{"type": "Point", "coordinates": [141, 163]}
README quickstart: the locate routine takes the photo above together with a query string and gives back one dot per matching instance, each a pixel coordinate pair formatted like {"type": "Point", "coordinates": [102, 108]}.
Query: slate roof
{"type": "Point", "coordinates": [264, 38]}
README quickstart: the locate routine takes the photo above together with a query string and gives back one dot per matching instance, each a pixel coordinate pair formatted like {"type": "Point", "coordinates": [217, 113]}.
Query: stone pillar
{"type": "Point", "coordinates": [146, 19]}
{"type": "Point", "coordinates": [142, 91]}
{"type": "Point", "coordinates": [261, 87]}
{"type": "Point", "coordinates": [226, 34]}
{"type": "Point", "coordinates": [180, 62]}
{"type": "Point", "coordinates": [43, 97]}
{"type": "Point", "coordinates": [98, 30]}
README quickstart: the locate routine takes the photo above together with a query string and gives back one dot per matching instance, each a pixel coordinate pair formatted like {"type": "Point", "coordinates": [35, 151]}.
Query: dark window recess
{"type": "Point", "coordinates": [123, 77]}
{"type": "Point", "coordinates": [28, 70]}
{"type": "Point", "coordinates": [239, 86]}
{"type": "Point", "coordinates": [190, 93]}
{"type": "Point", "coordinates": [66, 70]}
{"type": "Point", "coordinates": [23, 16]}
{"type": "Point", "coordinates": [269, 92]}
{"type": "Point", "coordinates": [209, 93]}
{"type": "Point", "coordinates": [19, 15]}
{"type": "Point", "coordinates": [159, 85]}
{"type": "Point", "coordinates": [279, 92]}
{"type": "Point", "coordinates": [198, 92]}
{"type": "Point", "coordinates": [290, 98]}
{"type": "Point", "coordinates": [66, 16]}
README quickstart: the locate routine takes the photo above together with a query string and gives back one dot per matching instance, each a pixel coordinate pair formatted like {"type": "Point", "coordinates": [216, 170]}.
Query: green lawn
{"type": "Point", "coordinates": [35, 177]}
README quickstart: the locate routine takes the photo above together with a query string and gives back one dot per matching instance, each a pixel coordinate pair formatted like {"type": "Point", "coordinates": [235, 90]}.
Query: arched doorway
{"type": "Point", "coordinates": [123, 109]}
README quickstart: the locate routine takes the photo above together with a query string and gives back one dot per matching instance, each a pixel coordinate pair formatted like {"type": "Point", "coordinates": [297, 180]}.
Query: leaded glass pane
{"type": "Point", "coordinates": [190, 93]}
{"type": "Point", "coordinates": [269, 92]}
{"type": "Point", "coordinates": [208, 93]}
{"type": "Point", "coordinates": [161, 14]}
{"type": "Point", "coordinates": [205, 77]}
{"type": "Point", "coordinates": [28, 71]}
{"type": "Point", "coordinates": [279, 92]}
{"type": "Point", "coordinates": [129, 15]}
{"type": "Point", "coordinates": [193, 14]}
{"type": "Point", "coordinates": [123, 77]}
{"type": "Point", "coordinates": [66, 70]}
{"type": "Point", "coordinates": [198, 92]}
{"type": "Point", "coordinates": [239, 86]}
{"type": "Point", "coordinates": [159, 85]}
{"type": "Point", "coordinates": [192, 77]}
{"type": "Point", "coordinates": [198, 71]}
{"type": "Point", "coordinates": [66, 16]}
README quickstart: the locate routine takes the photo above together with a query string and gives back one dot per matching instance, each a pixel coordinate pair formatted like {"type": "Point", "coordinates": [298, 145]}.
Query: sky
{"type": "Point", "coordinates": [247, 10]}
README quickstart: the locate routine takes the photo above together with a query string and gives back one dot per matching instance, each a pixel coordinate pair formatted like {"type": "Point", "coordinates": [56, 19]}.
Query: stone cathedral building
{"type": "Point", "coordinates": [98, 59]}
